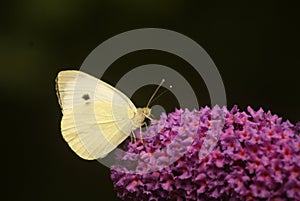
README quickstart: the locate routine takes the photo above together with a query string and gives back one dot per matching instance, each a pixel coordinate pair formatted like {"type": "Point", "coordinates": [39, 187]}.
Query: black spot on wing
{"type": "Point", "coordinates": [85, 97]}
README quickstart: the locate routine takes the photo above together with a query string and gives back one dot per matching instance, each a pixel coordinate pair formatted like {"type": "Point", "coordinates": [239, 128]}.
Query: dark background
{"type": "Point", "coordinates": [254, 46]}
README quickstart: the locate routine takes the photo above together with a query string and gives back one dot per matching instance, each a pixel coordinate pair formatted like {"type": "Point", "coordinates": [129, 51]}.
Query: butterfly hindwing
{"type": "Point", "coordinates": [92, 131]}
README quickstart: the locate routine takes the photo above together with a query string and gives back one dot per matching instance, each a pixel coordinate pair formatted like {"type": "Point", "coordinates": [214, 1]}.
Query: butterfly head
{"type": "Point", "coordinates": [146, 112]}
{"type": "Point", "coordinates": [141, 115]}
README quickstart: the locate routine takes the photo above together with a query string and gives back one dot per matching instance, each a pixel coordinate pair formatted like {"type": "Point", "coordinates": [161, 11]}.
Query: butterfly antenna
{"type": "Point", "coordinates": [158, 97]}
{"type": "Point", "coordinates": [156, 90]}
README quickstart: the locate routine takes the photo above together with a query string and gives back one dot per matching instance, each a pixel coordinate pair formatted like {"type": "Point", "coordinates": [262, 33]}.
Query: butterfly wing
{"type": "Point", "coordinates": [96, 116]}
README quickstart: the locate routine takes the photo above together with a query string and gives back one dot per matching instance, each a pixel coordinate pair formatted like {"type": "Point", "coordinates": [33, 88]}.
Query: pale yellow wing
{"type": "Point", "coordinates": [77, 88]}
{"type": "Point", "coordinates": [92, 131]}
{"type": "Point", "coordinates": [96, 116]}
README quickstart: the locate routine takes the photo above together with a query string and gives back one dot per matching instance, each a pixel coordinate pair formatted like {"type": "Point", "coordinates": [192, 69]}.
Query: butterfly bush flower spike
{"type": "Point", "coordinates": [212, 154]}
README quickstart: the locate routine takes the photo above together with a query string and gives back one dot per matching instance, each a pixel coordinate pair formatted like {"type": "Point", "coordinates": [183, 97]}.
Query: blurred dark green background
{"type": "Point", "coordinates": [254, 46]}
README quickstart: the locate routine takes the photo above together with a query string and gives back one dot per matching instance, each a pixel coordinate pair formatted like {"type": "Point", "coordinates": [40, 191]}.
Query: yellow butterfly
{"type": "Point", "coordinates": [96, 116]}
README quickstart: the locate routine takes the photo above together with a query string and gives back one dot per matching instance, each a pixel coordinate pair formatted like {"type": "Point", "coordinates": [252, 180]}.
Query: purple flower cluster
{"type": "Point", "coordinates": [256, 156]}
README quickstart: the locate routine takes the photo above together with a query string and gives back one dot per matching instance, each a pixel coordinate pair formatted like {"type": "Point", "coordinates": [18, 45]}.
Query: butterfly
{"type": "Point", "coordinates": [96, 116]}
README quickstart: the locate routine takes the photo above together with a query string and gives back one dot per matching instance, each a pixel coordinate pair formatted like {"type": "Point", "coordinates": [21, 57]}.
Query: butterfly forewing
{"type": "Point", "coordinates": [96, 116]}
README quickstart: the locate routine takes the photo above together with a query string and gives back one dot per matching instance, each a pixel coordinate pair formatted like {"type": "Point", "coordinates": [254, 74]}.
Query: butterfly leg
{"type": "Point", "coordinates": [141, 131]}
{"type": "Point", "coordinates": [132, 136]}
{"type": "Point", "coordinates": [141, 137]}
